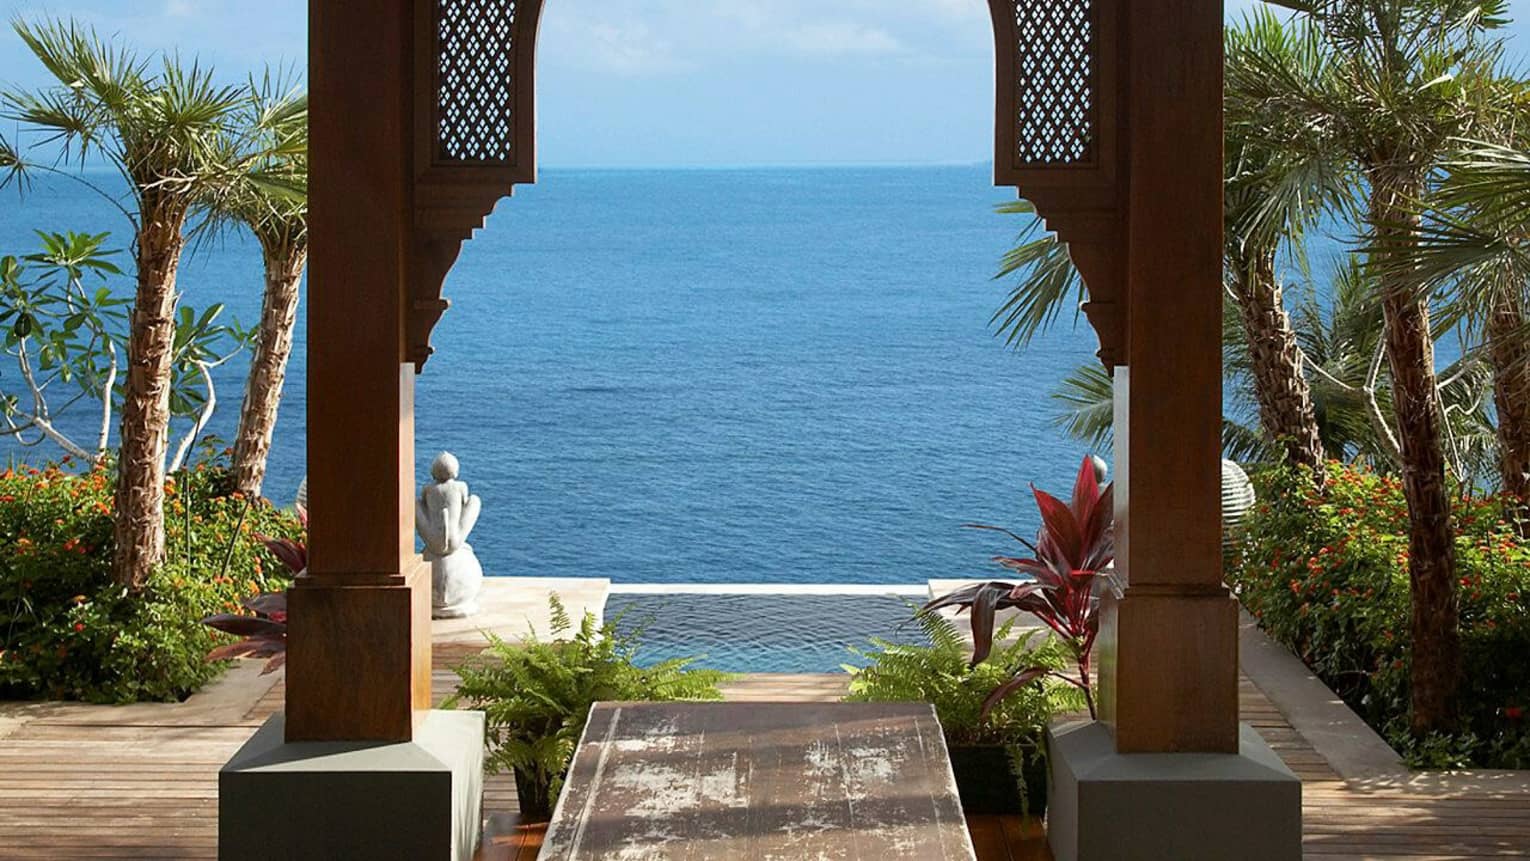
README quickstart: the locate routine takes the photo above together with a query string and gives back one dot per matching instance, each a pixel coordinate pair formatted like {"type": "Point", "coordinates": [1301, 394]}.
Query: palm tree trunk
{"type": "Point", "coordinates": [268, 368]}
{"type": "Point", "coordinates": [1285, 401]}
{"type": "Point", "coordinates": [1509, 352]}
{"type": "Point", "coordinates": [1436, 640]}
{"type": "Point", "coordinates": [139, 529]}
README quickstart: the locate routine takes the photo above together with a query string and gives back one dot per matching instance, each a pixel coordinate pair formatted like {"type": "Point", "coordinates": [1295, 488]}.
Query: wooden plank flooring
{"type": "Point", "coordinates": [141, 782]}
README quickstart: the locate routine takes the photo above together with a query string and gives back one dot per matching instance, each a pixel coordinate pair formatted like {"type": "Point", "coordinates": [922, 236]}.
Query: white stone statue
{"type": "Point", "coordinates": [444, 516]}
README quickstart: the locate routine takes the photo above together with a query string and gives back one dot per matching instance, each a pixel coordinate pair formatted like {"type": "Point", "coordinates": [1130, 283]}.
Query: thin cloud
{"type": "Point", "coordinates": [841, 39]}
{"type": "Point", "coordinates": [625, 48]}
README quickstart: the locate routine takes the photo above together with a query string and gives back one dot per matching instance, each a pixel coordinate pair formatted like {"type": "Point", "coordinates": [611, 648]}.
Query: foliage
{"type": "Point", "coordinates": [60, 332]}
{"type": "Point", "coordinates": [162, 127]}
{"type": "Point", "coordinates": [1046, 281]}
{"type": "Point", "coordinates": [159, 127]}
{"type": "Point", "coordinates": [942, 674]}
{"type": "Point", "coordinates": [1067, 571]}
{"type": "Point", "coordinates": [537, 694]}
{"type": "Point", "coordinates": [268, 138]}
{"type": "Point", "coordinates": [1326, 573]}
{"type": "Point", "coordinates": [264, 628]}
{"type": "Point", "coordinates": [68, 632]}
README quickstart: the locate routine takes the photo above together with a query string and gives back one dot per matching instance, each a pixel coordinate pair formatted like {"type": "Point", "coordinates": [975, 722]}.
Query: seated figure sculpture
{"type": "Point", "coordinates": [444, 516]}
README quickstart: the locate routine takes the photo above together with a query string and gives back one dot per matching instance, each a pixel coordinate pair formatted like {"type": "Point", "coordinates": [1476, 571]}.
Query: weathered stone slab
{"type": "Point", "coordinates": [759, 782]}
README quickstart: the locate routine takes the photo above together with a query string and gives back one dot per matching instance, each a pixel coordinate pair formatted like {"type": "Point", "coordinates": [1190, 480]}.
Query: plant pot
{"type": "Point", "coordinates": [532, 795]}
{"type": "Point", "coordinates": [987, 783]}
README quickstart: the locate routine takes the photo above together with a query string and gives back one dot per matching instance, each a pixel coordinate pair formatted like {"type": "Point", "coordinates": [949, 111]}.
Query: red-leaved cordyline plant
{"type": "Point", "coordinates": [1066, 569]}
{"type": "Point", "coordinates": [264, 633]}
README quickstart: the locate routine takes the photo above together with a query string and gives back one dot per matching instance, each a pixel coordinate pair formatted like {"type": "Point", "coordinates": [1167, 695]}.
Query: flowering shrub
{"type": "Point", "coordinates": [1326, 573]}
{"type": "Point", "coordinates": [67, 631]}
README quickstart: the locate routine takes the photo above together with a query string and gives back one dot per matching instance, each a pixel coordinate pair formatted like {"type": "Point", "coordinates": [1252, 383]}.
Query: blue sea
{"type": "Point", "coordinates": [703, 376]}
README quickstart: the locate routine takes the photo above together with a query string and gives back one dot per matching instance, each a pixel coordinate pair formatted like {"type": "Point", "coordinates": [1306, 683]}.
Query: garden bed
{"type": "Point", "coordinates": [1325, 572]}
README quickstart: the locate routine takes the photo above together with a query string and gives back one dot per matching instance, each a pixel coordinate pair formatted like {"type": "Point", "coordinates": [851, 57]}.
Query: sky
{"type": "Point", "coordinates": [677, 82]}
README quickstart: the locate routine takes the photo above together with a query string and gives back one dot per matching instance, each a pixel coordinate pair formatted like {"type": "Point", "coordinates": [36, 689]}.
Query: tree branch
{"type": "Point", "coordinates": [106, 406]}
{"type": "Point", "coordinates": [202, 419]}
{"type": "Point", "coordinates": [40, 416]}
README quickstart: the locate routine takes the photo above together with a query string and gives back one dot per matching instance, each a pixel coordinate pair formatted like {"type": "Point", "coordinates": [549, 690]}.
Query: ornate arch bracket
{"type": "Point", "coordinates": [474, 136]}
{"type": "Point", "coordinates": [1057, 138]}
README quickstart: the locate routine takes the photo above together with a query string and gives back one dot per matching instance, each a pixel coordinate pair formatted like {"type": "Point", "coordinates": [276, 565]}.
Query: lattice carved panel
{"type": "Point", "coordinates": [475, 92]}
{"type": "Point", "coordinates": [1055, 96]}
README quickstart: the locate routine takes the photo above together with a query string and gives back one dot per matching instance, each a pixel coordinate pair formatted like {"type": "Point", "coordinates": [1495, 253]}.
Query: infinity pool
{"type": "Point", "coordinates": [763, 633]}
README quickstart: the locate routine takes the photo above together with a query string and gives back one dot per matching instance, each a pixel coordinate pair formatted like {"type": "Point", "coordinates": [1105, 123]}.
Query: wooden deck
{"type": "Point", "coordinates": [141, 782]}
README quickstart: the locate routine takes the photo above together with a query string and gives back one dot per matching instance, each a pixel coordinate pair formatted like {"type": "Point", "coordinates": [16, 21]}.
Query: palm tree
{"type": "Point", "coordinates": [270, 200]}
{"type": "Point", "coordinates": [159, 127]}
{"type": "Point", "coordinates": [1404, 79]}
{"type": "Point", "coordinates": [1340, 342]}
{"type": "Point", "coordinates": [1280, 178]}
{"type": "Point", "coordinates": [1476, 243]}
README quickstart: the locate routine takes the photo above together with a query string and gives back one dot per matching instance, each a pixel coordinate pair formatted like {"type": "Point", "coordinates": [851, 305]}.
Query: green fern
{"type": "Point", "coordinates": [537, 694]}
{"type": "Point", "coordinates": [941, 674]}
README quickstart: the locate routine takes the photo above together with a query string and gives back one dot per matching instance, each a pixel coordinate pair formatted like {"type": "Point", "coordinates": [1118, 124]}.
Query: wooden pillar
{"type": "Point", "coordinates": [359, 637]}
{"type": "Point", "coordinates": [1169, 661]}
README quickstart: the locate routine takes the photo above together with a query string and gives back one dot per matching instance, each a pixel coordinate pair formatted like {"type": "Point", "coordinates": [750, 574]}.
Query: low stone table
{"type": "Point", "coordinates": [742, 781]}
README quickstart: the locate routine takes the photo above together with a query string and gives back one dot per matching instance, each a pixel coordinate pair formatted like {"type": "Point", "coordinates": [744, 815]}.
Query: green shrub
{"type": "Point", "coordinates": [537, 696]}
{"type": "Point", "coordinates": [942, 674]}
{"type": "Point", "coordinates": [67, 631]}
{"type": "Point", "coordinates": [1326, 573]}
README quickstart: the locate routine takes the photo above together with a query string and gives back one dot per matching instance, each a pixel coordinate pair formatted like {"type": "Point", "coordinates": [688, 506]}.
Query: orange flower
{"type": "Point", "coordinates": [78, 599]}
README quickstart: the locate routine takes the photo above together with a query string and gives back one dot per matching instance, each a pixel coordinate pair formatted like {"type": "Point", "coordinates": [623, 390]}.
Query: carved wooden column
{"type": "Point", "coordinates": [359, 651]}
{"type": "Point", "coordinates": [1171, 681]}
{"type": "Point", "coordinates": [412, 117]}
{"type": "Point", "coordinates": [1110, 122]}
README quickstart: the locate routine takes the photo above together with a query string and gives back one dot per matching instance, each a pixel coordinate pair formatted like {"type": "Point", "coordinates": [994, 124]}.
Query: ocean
{"type": "Point", "coordinates": [703, 376]}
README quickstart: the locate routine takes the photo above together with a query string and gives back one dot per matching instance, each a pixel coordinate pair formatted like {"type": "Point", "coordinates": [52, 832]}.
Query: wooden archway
{"type": "Point", "coordinates": [1108, 118]}
{"type": "Point", "coordinates": [1056, 134]}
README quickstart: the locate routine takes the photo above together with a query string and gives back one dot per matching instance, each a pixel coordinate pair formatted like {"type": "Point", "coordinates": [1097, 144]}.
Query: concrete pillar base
{"type": "Point", "coordinates": [420, 800]}
{"type": "Point", "coordinates": [1107, 806]}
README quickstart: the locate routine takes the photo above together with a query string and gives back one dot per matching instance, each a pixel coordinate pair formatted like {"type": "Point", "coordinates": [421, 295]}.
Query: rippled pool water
{"type": "Point", "coordinates": [763, 633]}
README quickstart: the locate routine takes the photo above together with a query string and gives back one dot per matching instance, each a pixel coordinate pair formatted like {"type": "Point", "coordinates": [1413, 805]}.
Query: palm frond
{"type": "Point", "coordinates": [1087, 399]}
{"type": "Point", "coordinates": [1046, 281]}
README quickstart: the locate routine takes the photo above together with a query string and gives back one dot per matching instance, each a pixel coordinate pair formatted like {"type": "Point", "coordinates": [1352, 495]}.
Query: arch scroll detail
{"type": "Point", "coordinates": [474, 135]}
{"type": "Point", "coordinates": [1057, 139]}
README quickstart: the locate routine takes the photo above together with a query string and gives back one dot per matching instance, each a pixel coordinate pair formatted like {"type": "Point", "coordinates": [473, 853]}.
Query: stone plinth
{"type": "Point", "coordinates": [317, 801]}
{"type": "Point", "coordinates": [1106, 806]}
